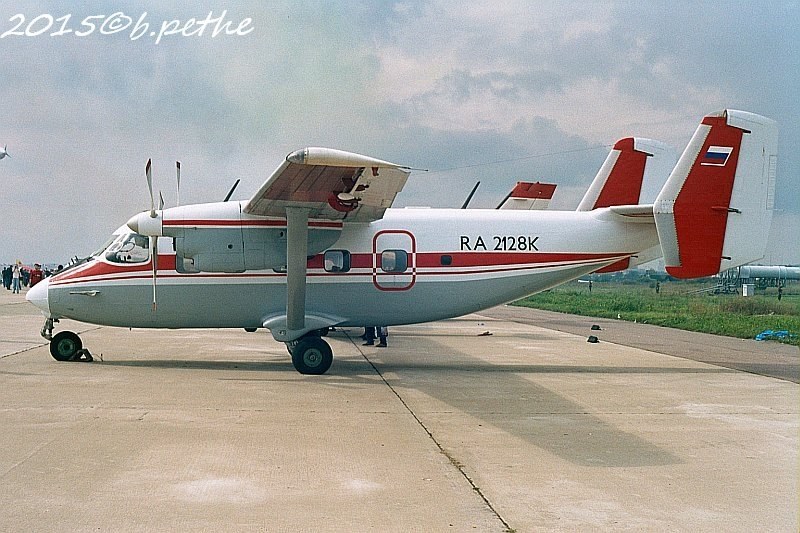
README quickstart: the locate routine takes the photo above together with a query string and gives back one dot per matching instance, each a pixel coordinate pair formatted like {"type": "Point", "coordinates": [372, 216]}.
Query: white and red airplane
{"type": "Point", "coordinates": [318, 245]}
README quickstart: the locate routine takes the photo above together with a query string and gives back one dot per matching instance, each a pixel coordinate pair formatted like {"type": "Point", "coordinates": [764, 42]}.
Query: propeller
{"type": "Point", "coordinates": [149, 173]}
{"type": "Point", "coordinates": [154, 248]}
{"type": "Point", "coordinates": [153, 239]}
{"type": "Point", "coordinates": [178, 171]}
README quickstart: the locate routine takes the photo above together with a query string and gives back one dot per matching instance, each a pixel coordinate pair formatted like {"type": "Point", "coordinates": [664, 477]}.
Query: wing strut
{"type": "Point", "coordinates": [296, 263]}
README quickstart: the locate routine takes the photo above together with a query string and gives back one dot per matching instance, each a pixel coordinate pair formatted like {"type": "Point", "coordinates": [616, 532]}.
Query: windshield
{"type": "Point", "coordinates": [105, 245]}
{"type": "Point", "coordinates": [129, 248]}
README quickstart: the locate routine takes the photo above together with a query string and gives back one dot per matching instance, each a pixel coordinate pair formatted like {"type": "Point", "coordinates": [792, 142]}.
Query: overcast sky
{"type": "Point", "coordinates": [495, 91]}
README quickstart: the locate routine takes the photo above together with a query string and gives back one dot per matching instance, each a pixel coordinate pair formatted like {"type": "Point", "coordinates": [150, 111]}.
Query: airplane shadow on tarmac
{"type": "Point", "coordinates": [501, 397]}
{"type": "Point", "coordinates": [497, 394]}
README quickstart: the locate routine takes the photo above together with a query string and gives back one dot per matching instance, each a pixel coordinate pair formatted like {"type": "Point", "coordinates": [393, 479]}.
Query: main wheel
{"type": "Point", "coordinates": [312, 355]}
{"type": "Point", "coordinates": [65, 345]}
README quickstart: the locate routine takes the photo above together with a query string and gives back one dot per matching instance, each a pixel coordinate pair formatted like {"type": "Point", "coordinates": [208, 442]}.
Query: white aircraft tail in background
{"type": "Point", "coordinates": [4, 152]}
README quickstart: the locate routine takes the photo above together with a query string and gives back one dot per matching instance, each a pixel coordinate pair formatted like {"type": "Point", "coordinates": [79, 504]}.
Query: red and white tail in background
{"type": "Point", "coordinates": [631, 161]}
{"type": "Point", "coordinates": [529, 196]}
{"type": "Point", "coordinates": [715, 210]}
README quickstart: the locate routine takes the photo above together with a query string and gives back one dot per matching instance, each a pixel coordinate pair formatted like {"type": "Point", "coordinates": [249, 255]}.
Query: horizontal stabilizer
{"type": "Point", "coordinates": [715, 210]}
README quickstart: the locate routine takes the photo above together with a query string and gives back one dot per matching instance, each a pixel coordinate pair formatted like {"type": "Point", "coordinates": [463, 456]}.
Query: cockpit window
{"type": "Point", "coordinates": [129, 248]}
{"type": "Point", "coordinates": [103, 248]}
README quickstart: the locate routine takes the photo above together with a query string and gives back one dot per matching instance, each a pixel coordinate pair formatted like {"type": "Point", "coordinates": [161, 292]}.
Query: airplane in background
{"type": "Point", "coordinates": [319, 246]}
{"type": "Point", "coordinates": [4, 152]}
{"type": "Point", "coordinates": [528, 196]}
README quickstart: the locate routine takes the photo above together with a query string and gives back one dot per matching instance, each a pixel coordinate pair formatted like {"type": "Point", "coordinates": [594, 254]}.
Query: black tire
{"type": "Point", "coordinates": [65, 345]}
{"type": "Point", "coordinates": [312, 355]}
{"type": "Point", "coordinates": [250, 330]}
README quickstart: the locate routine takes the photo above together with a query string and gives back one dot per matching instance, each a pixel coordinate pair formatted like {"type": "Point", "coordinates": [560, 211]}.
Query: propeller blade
{"type": "Point", "coordinates": [178, 167]}
{"type": "Point", "coordinates": [154, 251]}
{"type": "Point", "coordinates": [160, 200]}
{"type": "Point", "coordinates": [149, 174]}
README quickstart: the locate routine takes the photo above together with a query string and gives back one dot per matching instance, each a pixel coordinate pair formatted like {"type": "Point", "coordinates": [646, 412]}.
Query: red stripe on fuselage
{"type": "Point", "coordinates": [246, 223]}
{"type": "Point", "coordinates": [477, 262]}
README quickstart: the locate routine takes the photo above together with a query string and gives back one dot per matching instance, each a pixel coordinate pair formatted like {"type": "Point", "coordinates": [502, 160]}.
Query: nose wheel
{"type": "Point", "coordinates": [65, 345]}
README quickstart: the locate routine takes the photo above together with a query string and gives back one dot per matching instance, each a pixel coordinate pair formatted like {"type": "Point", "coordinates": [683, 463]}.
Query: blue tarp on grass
{"type": "Point", "coordinates": [769, 334]}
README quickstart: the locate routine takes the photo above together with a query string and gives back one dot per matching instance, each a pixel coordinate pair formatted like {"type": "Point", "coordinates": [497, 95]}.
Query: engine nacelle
{"type": "Point", "coordinates": [219, 238]}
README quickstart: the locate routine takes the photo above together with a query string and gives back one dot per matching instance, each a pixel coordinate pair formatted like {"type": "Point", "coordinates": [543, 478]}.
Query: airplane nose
{"type": "Point", "coordinates": [37, 295]}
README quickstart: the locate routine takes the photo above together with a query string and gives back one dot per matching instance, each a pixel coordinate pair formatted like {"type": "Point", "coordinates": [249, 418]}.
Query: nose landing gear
{"type": "Point", "coordinates": [65, 345]}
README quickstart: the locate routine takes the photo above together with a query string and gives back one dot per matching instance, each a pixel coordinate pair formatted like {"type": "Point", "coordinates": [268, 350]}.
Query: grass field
{"type": "Point", "coordinates": [730, 315]}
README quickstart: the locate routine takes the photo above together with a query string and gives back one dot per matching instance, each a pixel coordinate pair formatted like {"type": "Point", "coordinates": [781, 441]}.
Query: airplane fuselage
{"type": "Point", "coordinates": [444, 263]}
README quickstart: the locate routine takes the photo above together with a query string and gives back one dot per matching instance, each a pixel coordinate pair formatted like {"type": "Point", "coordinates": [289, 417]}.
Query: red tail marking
{"type": "Point", "coordinates": [699, 223]}
{"type": "Point", "coordinates": [624, 183]}
{"type": "Point", "coordinates": [622, 264]}
{"type": "Point", "coordinates": [533, 190]}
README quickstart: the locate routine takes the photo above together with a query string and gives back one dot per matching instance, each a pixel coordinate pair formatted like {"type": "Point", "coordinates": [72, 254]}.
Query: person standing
{"type": "Point", "coordinates": [16, 278]}
{"type": "Point", "coordinates": [383, 332]}
{"type": "Point", "coordinates": [37, 274]}
{"type": "Point", "coordinates": [7, 277]}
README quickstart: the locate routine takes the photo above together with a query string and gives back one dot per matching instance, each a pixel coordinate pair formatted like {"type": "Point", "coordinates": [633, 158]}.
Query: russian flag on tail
{"type": "Point", "coordinates": [716, 156]}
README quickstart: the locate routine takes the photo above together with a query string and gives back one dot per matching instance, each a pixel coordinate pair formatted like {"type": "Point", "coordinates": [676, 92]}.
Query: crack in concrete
{"type": "Point", "coordinates": [453, 461]}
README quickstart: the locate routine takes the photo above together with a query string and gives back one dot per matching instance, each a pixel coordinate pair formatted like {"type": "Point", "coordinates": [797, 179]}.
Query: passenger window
{"type": "Point", "coordinates": [337, 261]}
{"type": "Point", "coordinates": [394, 261]}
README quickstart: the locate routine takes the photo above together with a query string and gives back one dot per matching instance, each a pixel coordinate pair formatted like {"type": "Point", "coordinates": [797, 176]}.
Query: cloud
{"type": "Point", "coordinates": [542, 89]}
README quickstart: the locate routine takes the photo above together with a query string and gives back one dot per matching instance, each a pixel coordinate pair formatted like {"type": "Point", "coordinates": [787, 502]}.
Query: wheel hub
{"type": "Point", "coordinates": [312, 357]}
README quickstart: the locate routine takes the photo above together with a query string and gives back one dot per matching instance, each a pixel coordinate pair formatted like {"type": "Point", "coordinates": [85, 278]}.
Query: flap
{"type": "Point", "coordinates": [331, 184]}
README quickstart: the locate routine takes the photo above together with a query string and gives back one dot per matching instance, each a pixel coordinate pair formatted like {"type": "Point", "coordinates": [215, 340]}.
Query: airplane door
{"type": "Point", "coordinates": [394, 263]}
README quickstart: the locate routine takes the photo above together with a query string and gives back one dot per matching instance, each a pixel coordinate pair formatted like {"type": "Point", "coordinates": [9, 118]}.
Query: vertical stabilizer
{"type": "Point", "coordinates": [715, 210]}
{"type": "Point", "coordinates": [619, 181]}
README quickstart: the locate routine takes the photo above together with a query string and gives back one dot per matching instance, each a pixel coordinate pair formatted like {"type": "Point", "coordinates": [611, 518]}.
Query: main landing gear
{"type": "Point", "coordinates": [311, 354]}
{"type": "Point", "coordinates": [65, 345]}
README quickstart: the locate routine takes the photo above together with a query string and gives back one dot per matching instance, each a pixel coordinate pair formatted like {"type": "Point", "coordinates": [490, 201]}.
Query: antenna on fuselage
{"type": "Point", "coordinates": [178, 172]}
{"type": "Point", "coordinates": [230, 192]}
{"type": "Point", "coordinates": [469, 198]}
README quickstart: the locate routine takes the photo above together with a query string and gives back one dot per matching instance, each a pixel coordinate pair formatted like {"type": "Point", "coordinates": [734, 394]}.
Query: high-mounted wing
{"type": "Point", "coordinates": [330, 184]}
